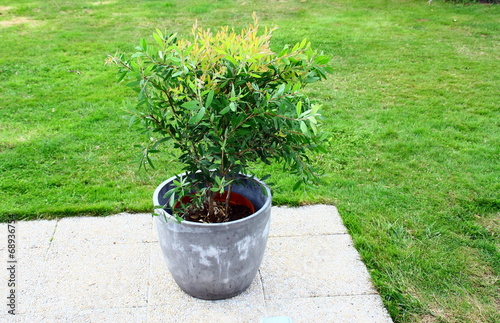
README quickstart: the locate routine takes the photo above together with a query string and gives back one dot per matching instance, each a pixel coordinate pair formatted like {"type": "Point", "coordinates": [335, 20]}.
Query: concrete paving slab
{"type": "Point", "coordinates": [83, 277]}
{"type": "Point", "coordinates": [27, 276]}
{"type": "Point", "coordinates": [242, 308]}
{"type": "Point", "coordinates": [89, 269]}
{"type": "Point", "coordinates": [29, 234]}
{"type": "Point", "coordinates": [162, 288]}
{"type": "Point", "coordinates": [120, 228]}
{"type": "Point", "coordinates": [320, 266]}
{"type": "Point", "coordinates": [339, 309]}
{"type": "Point", "coordinates": [35, 234]}
{"type": "Point", "coordinates": [133, 314]}
{"type": "Point", "coordinates": [305, 220]}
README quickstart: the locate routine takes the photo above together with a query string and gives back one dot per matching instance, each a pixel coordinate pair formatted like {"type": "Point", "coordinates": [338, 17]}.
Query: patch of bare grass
{"type": "Point", "coordinates": [491, 223]}
{"type": "Point", "coordinates": [4, 9]}
{"type": "Point", "coordinates": [100, 3]}
{"type": "Point", "coordinates": [16, 21]}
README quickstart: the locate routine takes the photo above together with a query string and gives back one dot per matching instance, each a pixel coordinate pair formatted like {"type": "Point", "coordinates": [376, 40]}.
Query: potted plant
{"type": "Point", "coordinates": [225, 100]}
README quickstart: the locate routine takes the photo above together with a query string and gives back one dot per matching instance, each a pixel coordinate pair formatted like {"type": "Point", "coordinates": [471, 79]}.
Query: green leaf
{"type": "Point", "coordinates": [232, 60]}
{"type": "Point", "coordinates": [131, 121]}
{"type": "Point", "coordinates": [314, 129]}
{"type": "Point", "coordinates": [263, 178]}
{"type": "Point", "coordinates": [150, 162]}
{"type": "Point", "coordinates": [174, 59]}
{"type": "Point", "coordinates": [298, 108]}
{"type": "Point", "coordinates": [144, 44]}
{"type": "Point", "coordinates": [312, 79]}
{"type": "Point", "coordinates": [285, 50]}
{"type": "Point", "coordinates": [328, 69]}
{"type": "Point", "coordinates": [297, 86]}
{"type": "Point", "coordinates": [315, 108]}
{"type": "Point", "coordinates": [133, 84]}
{"type": "Point", "coordinates": [160, 141]}
{"type": "Point", "coordinates": [233, 94]}
{"type": "Point", "coordinates": [197, 118]}
{"type": "Point", "coordinates": [303, 43]}
{"type": "Point", "coordinates": [303, 128]}
{"type": "Point", "coordinates": [160, 34]}
{"type": "Point", "coordinates": [322, 59]}
{"type": "Point", "coordinates": [170, 196]}
{"type": "Point", "coordinates": [191, 105]}
{"type": "Point", "coordinates": [158, 39]}
{"type": "Point", "coordinates": [172, 38]}
{"type": "Point", "coordinates": [177, 74]}
{"type": "Point", "coordinates": [280, 91]}
{"type": "Point", "coordinates": [121, 76]}
{"type": "Point", "coordinates": [209, 99]}
{"type": "Point", "coordinates": [138, 54]}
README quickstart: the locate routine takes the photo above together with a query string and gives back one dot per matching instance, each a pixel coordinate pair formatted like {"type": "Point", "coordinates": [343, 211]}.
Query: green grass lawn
{"type": "Point", "coordinates": [412, 108]}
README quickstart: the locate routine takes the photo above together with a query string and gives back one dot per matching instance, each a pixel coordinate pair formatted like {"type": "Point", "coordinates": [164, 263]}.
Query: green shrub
{"type": "Point", "coordinates": [226, 100]}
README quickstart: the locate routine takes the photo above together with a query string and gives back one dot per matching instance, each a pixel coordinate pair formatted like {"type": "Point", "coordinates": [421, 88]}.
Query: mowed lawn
{"type": "Point", "coordinates": [412, 110]}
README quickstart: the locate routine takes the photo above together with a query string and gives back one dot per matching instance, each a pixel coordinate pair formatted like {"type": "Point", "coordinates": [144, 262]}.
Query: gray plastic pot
{"type": "Point", "coordinates": [215, 260]}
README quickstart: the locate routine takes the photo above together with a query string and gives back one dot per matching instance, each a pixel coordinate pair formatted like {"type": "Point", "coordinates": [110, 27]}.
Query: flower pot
{"type": "Point", "coordinates": [215, 260]}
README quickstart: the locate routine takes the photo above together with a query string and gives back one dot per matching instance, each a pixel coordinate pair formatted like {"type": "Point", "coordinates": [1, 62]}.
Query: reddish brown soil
{"type": "Point", "coordinates": [236, 212]}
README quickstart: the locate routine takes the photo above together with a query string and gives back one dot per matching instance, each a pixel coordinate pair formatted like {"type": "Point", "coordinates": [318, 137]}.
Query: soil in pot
{"type": "Point", "coordinates": [239, 207]}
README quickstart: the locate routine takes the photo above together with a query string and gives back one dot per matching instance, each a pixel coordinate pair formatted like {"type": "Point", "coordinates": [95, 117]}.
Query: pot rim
{"type": "Point", "coordinates": [185, 222]}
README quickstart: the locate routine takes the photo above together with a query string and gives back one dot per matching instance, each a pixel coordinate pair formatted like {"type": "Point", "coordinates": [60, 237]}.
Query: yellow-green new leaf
{"type": "Point", "coordinates": [158, 38]}
{"type": "Point", "coordinates": [298, 108]}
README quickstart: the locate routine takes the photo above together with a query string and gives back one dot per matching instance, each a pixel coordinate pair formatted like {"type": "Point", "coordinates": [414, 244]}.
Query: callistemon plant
{"type": "Point", "coordinates": [226, 100]}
